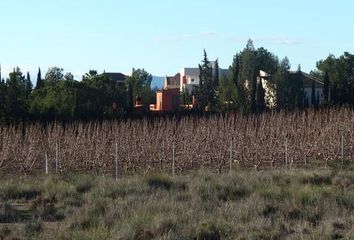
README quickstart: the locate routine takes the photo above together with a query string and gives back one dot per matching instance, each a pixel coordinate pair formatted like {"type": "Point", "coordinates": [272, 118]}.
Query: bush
{"type": "Point", "coordinates": [84, 185]}
{"type": "Point", "coordinates": [317, 180]}
{"type": "Point", "coordinates": [159, 181]}
{"type": "Point", "coordinates": [228, 190]}
{"type": "Point", "coordinates": [232, 192]}
{"type": "Point", "coordinates": [208, 231]}
{"type": "Point", "coordinates": [12, 191]}
{"type": "Point", "coordinates": [9, 214]}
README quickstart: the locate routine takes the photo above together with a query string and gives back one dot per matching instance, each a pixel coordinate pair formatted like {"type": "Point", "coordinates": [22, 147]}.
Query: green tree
{"type": "Point", "coordinates": [260, 99]}
{"type": "Point", "coordinates": [206, 91]}
{"type": "Point", "coordinates": [140, 83]}
{"type": "Point", "coordinates": [28, 85]}
{"type": "Point", "coordinates": [227, 94]}
{"type": "Point", "coordinates": [91, 74]}
{"type": "Point", "coordinates": [326, 87]}
{"type": "Point", "coordinates": [246, 71]}
{"type": "Point", "coordinates": [16, 96]}
{"type": "Point", "coordinates": [216, 75]}
{"type": "Point", "coordinates": [282, 84]}
{"type": "Point", "coordinates": [186, 97]}
{"type": "Point", "coordinates": [53, 76]}
{"type": "Point", "coordinates": [240, 101]}
{"type": "Point", "coordinates": [69, 76]}
{"type": "Point", "coordinates": [40, 82]}
{"type": "Point", "coordinates": [341, 74]}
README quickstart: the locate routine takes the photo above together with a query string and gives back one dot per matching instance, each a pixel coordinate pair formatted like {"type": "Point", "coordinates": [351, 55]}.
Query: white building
{"type": "Point", "coordinates": [190, 77]}
{"type": "Point", "coordinates": [308, 82]}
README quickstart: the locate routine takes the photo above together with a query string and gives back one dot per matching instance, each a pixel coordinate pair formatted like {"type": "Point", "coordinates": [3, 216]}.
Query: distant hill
{"type": "Point", "coordinates": [157, 82]}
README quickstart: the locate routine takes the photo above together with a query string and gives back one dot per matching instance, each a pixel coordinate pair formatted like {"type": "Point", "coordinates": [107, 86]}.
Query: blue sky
{"type": "Point", "coordinates": [163, 36]}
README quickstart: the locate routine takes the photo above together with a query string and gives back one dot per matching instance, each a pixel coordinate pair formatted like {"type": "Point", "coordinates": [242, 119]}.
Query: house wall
{"type": "Point", "coordinates": [167, 100]}
{"type": "Point", "coordinates": [270, 94]}
{"type": "Point", "coordinates": [159, 101]}
{"type": "Point", "coordinates": [168, 96]}
{"type": "Point", "coordinates": [188, 81]}
{"type": "Point", "coordinates": [190, 77]}
{"type": "Point", "coordinates": [308, 93]}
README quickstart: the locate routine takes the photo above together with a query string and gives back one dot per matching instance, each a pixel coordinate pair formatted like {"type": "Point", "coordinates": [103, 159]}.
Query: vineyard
{"type": "Point", "coordinates": [217, 143]}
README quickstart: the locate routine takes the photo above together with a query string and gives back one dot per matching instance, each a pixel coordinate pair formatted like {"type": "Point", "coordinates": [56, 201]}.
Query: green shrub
{"type": "Point", "coordinates": [317, 180]}
{"type": "Point", "coordinates": [159, 181]}
{"type": "Point", "coordinates": [13, 191]}
{"type": "Point", "coordinates": [232, 192]}
{"type": "Point", "coordinates": [9, 214]}
{"type": "Point", "coordinates": [123, 191]}
{"type": "Point", "coordinates": [208, 231]}
{"type": "Point", "coordinates": [84, 186]}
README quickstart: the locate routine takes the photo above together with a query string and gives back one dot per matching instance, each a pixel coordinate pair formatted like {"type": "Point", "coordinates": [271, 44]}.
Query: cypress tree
{"type": "Point", "coordinates": [28, 86]}
{"type": "Point", "coordinates": [216, 75]}
{"type": "Point", "coordinates": [39, 83]}
{"type": "Point", "coordinates": [326, 87]}
{"type": "Point", "coordinates": [205, 91]}
{"type": "Point", "coordinates": [260, 99]}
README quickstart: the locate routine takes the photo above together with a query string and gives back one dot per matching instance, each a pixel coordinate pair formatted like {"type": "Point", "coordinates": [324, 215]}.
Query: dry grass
{"type": "Point", "coordinates": [296, 204]}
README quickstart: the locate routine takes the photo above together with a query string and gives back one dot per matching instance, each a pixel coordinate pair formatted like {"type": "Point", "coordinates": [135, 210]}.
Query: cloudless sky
{"type": "Point", "coordinates": [163, 36]}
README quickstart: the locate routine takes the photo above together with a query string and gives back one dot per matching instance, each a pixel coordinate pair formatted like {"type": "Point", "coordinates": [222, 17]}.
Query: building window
{"type": "Point", "coordinates": [192, 80]}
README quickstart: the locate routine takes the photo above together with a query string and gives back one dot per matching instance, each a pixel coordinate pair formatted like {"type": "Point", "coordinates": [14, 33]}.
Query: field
{"type": "Point", "coordinates": [271, 176]}
{"type": "Point", "coordinates": [216, 143]}
{"type": "Point", "coordinates": [277, 204]}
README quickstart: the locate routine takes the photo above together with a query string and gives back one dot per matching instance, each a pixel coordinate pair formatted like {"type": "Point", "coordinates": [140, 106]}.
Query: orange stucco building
{"type": "Point", "coordinates": [167, 100]}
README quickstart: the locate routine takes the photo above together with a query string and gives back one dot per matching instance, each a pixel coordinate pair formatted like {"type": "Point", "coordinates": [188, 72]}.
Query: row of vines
{"type": "Point", "coordinates": [217, 143]}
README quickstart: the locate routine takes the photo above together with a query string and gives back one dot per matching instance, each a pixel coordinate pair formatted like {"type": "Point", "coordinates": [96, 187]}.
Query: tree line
{"type": "Point", "coordinates": [58, 96]}
{"type": "Point", "coordinates": [243, 90]}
